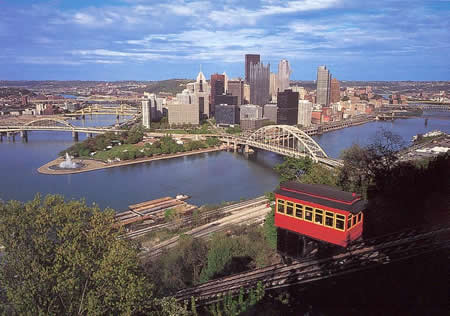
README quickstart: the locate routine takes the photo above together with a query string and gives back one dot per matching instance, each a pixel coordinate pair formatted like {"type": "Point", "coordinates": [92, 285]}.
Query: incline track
{"type": "Point", "coordinates": [360, 256]}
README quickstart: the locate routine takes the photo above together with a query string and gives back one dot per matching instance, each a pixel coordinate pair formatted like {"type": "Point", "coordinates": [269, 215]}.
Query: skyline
{"type": "Point", "coordinates": [154, 40]}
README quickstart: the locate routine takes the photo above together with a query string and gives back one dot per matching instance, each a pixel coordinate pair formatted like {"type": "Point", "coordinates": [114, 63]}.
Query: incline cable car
{"type": "Point", "coordinates": [316, 211]}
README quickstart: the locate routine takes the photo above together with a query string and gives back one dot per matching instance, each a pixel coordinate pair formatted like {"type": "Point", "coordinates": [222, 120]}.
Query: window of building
{"type": "Point", "coordinates": [289, 208]}
{"type": "Point", "coordinates": [280, 207]}
{"type": "Point", "coordinates": [359, 217]}
{"type": "Point", "coordinates": [318, 217]}
{"type": "Point", "coordinates": [340, 222]}
{"type": "Point", "coordinates": [308, 214]}
{"type": "Point", "coordinates": [299, 210]}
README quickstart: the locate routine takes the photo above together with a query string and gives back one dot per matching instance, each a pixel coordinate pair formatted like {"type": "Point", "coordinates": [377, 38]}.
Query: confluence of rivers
{"type": "Point", "coordinates": [209, 178]}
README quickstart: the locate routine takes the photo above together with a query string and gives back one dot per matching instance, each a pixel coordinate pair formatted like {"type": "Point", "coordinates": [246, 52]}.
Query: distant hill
{"type": "Point", "coordinates": [172, 86]}
{"type": "Point", "coordinates": [14, 92]}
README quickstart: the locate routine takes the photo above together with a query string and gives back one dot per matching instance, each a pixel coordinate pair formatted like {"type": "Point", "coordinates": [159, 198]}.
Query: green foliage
{"type": "Point", "coordinates": [65, 258]}
{"type": "Point", "coordinates": [234, 130]}
{"type": "Point", "coordinates": [270, 230]}
{"type": "Point", "coordinates": [179, 267]}
{"type": "Point", "coordinates": [363, 164]}
{"type": "Point", "coordinates": [245, 249]}
{"type": "Point", "coordinates": [270, 196]}
{"type": "Point", "coordinates": [212, 141]}
{"type": "Point", "coordinates": [319, 174]}
{"type": "Point", "coordinates": [293, 168]}
{"type": "Point", "coordinates": [233, 306]}
{"type": "Point", "coordinates": [170, 214]}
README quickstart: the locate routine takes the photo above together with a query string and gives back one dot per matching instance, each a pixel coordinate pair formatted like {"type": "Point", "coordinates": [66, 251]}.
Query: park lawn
{"type": "Point", "coordinates": [116, 151]}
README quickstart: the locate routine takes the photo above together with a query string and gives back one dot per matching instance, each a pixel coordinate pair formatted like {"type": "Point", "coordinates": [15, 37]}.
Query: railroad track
{"type": "Point", "coordinates": [361, 256]}
{"type": "Point", "coordinates": [203, 216]}
{"type": "Point", "coordinates": [250, 215]}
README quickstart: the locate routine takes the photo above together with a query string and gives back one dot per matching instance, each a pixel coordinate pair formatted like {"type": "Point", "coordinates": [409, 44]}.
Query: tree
{"type": "Point", "coordinates": [293, 168]}
{"type": "Point", "coordinates": [363, 164]}
{"type": "Point", "coordinates": [270, 230]}
{"type": "Point", "coordinates": [66, 258]}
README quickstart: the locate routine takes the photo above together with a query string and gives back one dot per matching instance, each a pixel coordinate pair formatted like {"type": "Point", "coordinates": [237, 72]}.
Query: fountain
{"type": "Point", "coordinates": [68, 163]}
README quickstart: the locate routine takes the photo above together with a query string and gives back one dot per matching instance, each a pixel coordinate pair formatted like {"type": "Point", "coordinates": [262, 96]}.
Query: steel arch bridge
{"type": "Point", "coordinates": [54, 124]}
{"type": "Point", "coordinates": [286, 140]}
{"type": "Point", "coordinates": [49, 122]}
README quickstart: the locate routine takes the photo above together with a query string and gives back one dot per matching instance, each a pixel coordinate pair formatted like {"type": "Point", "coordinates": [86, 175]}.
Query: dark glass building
{"type": "Point", "coordinates": [227, 114]}
{"type": "Point", "coordinates": [287, 103]}
{"type": "Point", "coordinates": [217, 88]}
{"type": "Point", "coordinates": [226, 99]}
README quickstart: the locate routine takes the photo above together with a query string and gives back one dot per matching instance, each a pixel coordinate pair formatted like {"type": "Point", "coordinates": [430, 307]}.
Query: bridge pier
{"type": "Point", "coordinates": [246, 149]}
{"type": "Point", "coordinates": [24, 136]}
{"type": "Point", "coordinates": [89, 135]}
{"type": "Point", "coordinates": [1, 137]}
{"type": "Point", "coordinates": [11, 135]}
{"type": "Point", "coordinates": [75, 136]}
{"type": "Point", "coordinates": [235, 146]}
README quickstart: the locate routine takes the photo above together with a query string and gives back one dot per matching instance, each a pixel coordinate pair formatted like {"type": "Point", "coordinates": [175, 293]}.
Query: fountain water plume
{"type": "Point", "coordinates": [68, 163]}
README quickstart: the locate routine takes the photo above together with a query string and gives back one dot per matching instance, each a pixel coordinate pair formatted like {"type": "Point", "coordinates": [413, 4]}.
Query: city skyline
{"type": "Point", "coordinates": [138, 39]}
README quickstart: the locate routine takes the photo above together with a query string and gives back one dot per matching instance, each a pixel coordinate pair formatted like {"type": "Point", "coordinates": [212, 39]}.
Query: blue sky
{"type": "Point", "coordinates": [153, 40]}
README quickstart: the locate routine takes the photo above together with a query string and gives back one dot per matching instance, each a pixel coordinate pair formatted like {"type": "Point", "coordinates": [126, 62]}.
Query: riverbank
{"type": "Point", "coordinates": [91, 165]}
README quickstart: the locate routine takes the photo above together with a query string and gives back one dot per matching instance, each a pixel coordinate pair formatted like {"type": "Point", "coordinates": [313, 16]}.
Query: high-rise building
{"type": "Point", "coordinates": [287, 103]}
{"type": "Point", "coordinates": [301, 91]}
{"type": "Point", "coordinates": [226, 99]}
{"type": "Point", "coordinates": [156, 106]}
{"type": "Point", "coordinates": [271, 112]}
{"type": "Point", "coordinates": [250, 59]}
{"type": "Point", "coordinates": [246, 94]}
{"type": "Point", "coordinates": [201, 92]}
{"type": "Point", "coordinates": [335, 91]}
{"type": "Point", "coordinates": [236, 88]}
{"type": "Point", "coordinates": [323, 85]}
{"type": "Point", "coordinates": [304, 113]}
{"type": "Point", "coordinates": [225, 81]}
{"type": "Point", "coordinates": [251, 111]}
{"type": "Point", "coordinates": [273, 86]}
{"type": "Point", "coordinates": [227, 114]}
{"type": "Point", "coordinates": [284, 73]}
{"type": "Point", "coordinates": [146, 110]}
{"type": "Point", "coordinates": [259, 83]}
{"type": "Point", "coordinates": [217, 84]}
{"type": "Point", "coordinates": [183, 113]}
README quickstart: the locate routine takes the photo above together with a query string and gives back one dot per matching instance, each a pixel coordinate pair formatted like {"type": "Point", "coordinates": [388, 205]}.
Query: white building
{"type": "Point", "coordinates": [304, 113]}
{"type": "Point", "coordinates": [146, 113]}
{"type": "Point", "coordinates": [251, 111]}
{"type": "Point", "coordinates": [284, 73]}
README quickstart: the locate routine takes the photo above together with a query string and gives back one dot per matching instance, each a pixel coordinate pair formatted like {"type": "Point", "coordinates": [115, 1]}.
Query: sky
{"type": "Point", "coordinates": [156, 40]}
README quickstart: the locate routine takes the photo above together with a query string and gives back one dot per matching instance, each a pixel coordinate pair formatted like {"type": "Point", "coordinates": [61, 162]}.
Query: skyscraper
{"type": "Point", "coordinates": [273, 85]}
{"type": "Point", "coordinates": [304, 113]}
{"type": "Point", "coordinates": [284, 72]}
{"type": "Point", "coordinates": [287, 103]}
{"type": "Point", "coordinates": [323, 85]}
{"type": "Point", "coordinates": [250, 59]}
{"type": "Point", "coordinates": [217, 84]}
{"type": "Point", "coordinates": [146, 109]}
{"type": "Point", "coordinates": [259, 83]}
{"type": "Point", "coordinates": [335, 91]}
{"type": "Point", "coordinates": [236, 88]}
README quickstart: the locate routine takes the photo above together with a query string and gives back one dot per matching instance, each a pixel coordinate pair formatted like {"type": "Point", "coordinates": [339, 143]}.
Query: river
{"type": "Point", "coordinates": [208, 178]}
